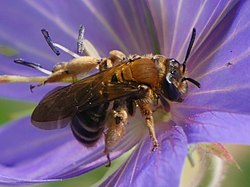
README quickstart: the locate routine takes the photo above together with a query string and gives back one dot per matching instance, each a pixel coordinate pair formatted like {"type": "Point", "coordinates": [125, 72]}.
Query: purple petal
{"type": "Point", "coordinates": [21, 91]}
{"type": "Point", "coordinates": [221, 65]}
{"type": "Point", "coordinates": [219, 62]}
{"type": "Point", "coordinates": [21, 31]}
{"type": "Point", "coordinates": [219, 111]}
{"type": "Point", "coordinates": [160, 168]}
{"type": "Point", "coordinates": [31, 155]}
{"type": "Point", "coordinates": [106, 24]}
{"type": "Point", "coordinates": [218, 127]}
{"type": "Point", "coordinates": [63, 23]}
{"type": "Point", "coordinates": [106, 27]}
{"type": "Point", "coordinates": [135, 131]}
{"type": "Point", "coordinates": [123, 25]}
{"type": "Point", "coordinates": [175, 20]}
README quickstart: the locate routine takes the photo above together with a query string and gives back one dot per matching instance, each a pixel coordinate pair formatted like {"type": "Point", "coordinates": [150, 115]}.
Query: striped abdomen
{"type": "Point", "coordinates": [87, 126]}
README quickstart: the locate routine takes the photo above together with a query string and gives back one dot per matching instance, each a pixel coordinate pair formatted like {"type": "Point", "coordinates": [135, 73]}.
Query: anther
{"type": "Point", "coordinates": [80, 44]}
{"type": "Point", "coordinates": [32, 65]}
{"type": "Point", "coordinates": [50, 42]}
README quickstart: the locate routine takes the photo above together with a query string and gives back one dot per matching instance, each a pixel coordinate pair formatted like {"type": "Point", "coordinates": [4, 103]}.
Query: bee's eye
{"type": "Point", "coordinates": [169, 83]}
{"type": "Point", "coordinates": [170, 91]}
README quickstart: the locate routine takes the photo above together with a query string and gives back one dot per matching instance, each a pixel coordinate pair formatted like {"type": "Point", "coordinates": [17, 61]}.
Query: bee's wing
{"type": "Point", "coordinates": [58, 107]}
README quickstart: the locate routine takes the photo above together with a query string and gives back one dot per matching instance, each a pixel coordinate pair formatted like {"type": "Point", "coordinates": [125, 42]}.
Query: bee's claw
{"type": "Point", "coordinates": [155, 146]}
{"type": "Point", "coordinates": [34, 86]}
{"type": "Point", "coordinates": [109, 161]}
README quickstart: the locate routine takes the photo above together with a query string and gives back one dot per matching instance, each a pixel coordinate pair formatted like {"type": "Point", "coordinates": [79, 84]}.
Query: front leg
{"type": "Point", "coordinates": [145, 106]}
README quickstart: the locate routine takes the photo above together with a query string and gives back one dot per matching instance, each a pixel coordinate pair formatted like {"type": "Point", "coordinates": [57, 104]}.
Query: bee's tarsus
{"type": "Point", "coordinates": [109, 161]}
{"type": "Point", "coordinates": [31, 88]}
{"type": "Point", "coordinates": [155, 147]}
{"type": "Point", "coordinates": [34, 86]}
{"type": "Point", "coordinates": [146, 111]}
{"type": "Point", "coordinates": [106, 151]}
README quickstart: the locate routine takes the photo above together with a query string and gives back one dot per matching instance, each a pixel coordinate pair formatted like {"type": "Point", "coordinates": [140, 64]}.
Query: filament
{"type": "Point", "coordinates": [66, 50]}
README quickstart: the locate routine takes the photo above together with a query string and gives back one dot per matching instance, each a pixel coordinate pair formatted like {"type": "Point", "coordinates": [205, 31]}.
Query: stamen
{"type": "Point", "coordinates": [66, 50]}
{"type": "Point", "coordinates": [196, 83]}
{"type": "Point", "coordinates": [54, 46]}
{"type": "Point", "coordinates": [32, 65]}
{"type": "Point", "coordinates": [50, 42]}
{"type": "Point", "coordinates": [90, 49]}
{"type": "Point", "coordinates": [80, 40]}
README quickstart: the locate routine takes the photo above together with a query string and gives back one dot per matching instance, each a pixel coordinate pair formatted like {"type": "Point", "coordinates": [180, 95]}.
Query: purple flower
{"type": "Point", "coordinates": [218, 112]}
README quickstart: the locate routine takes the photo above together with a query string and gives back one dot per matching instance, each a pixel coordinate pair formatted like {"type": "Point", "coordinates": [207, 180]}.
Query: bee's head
{"type": "Point", "coordinates": [174, 84]}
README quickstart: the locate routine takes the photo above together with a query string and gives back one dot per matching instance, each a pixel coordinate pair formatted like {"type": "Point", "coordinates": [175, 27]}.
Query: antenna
{"type": "Point", "coordinates": [189, 49]}
{"type": "Point", "coordinates": [196, 83]}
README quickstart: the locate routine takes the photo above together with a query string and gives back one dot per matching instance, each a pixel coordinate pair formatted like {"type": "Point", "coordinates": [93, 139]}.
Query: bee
{"type": "Point", "coordinates": [102, 103]}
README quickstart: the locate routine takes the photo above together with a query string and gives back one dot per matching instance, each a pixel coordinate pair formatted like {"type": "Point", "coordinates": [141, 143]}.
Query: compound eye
{"type": "Point", "coordinates": [172, 92]}
{"type": "Point", "coordinates": [173, 78]}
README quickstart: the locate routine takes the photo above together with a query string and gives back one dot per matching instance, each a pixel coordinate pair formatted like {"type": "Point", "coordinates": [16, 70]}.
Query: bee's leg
{"type": "Point", "coordinates": [115, 129]}
{"type": "Point", "coordinates": [36, 85]}
{"type": "Point", "coordinates": [145, 106]}
{"type": "Point", "coordinates": [19, 78]}
{"type": "Point", "coordinates": [54, 77]}
{"type": "Point", "coordinates": [70, 71]}
{"type": "Point", "coordinates": [147, 113]}
{"type": "Point", "coordinates": [107, 152]}
{"type": "Point", "coordinates": [58, 76]}
{"type": "Point", "coordinates": [104, 64]}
